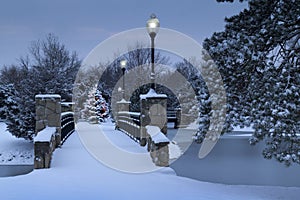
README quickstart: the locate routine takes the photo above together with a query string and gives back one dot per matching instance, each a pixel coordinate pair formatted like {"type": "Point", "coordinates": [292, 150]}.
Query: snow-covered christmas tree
{"type": "Point", "coordinates": [101, 106]}
{"type": "Point", "coordinates": [95, 108]}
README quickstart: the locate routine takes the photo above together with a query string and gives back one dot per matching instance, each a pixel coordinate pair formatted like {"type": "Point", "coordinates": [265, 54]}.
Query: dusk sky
{"type": "Point", "coordinates": [81, 25]}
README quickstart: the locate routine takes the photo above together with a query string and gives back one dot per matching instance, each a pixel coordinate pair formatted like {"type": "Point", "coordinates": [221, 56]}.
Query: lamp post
{"type": "Point", "coordinates": [123, 67]}
{"type": "Point", "coordinates": [152, 28]}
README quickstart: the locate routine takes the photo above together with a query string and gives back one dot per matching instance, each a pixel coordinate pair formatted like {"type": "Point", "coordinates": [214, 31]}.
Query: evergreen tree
{"type": "Point", "coordinates": [89, 111]}
{"type": "Point", "coordinates": [102, 108]}
{"type": "Point", "coordinates": [8, 104]}
{"type": "Point", "coordinates": [195, 107]}
{"type": "Point", "coordinates": [96, 108]}
{"type": "Point", "coordinates": [258, 56]}
{"type": "Point", "coordinates": [21, 124]}
{"type": "Point", "coordinates": [84, 86]}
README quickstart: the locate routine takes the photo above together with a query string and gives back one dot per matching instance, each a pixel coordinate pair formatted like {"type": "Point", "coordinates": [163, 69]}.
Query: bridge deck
{"type": "Point", "coordinates": [113, 147]}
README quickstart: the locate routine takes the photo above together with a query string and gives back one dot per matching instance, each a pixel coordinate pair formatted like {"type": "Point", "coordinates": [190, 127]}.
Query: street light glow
{"type": "Point", "coordinates": [123, 64]}
{"type": "Point", "coordinates": [153, 25]}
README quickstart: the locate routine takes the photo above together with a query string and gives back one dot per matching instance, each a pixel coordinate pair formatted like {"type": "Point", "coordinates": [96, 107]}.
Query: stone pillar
{"type": "Point", "coordinates": [48, 113]}
{"type": "Point", "coordinates": [153, 112]}
{"type": "Point", "coordinates": [43, 153]}
{"type": "Point", "coordinates": [159, 153]}
{"type": "Point", "coordinates": [178, 118]}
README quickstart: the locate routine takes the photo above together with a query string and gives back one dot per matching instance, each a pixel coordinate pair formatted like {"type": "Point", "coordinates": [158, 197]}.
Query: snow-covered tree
{"type": "Point", "coordinates": [49, 68]}
{"type": "Point", "coordinates": [102, 108]}
{"type": "Point", "coordinates": [137, 57]}
{"type": "Point", "coordinates": [258, 56]}
{"type": "Point", "coordinates": [84, 87]}
{"type": "Point", "coordinates": [89, 112]}
{"type": "Point", "coordinates": [8, 104]}
{"type": "Point", "coordinates": [21, 124]}
{"type": "Point", "coordinates": [96, 108]}
{"type": "Point", "coordinates": [188, 104]}
{"type": "Point", "coordinates": [54, 67]}
{"type": "Point", "coordinates": [16, 111]}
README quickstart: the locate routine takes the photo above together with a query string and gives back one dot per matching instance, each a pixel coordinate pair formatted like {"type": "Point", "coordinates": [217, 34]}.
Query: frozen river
{"type": "Point", "coordinates": [234, 161]}
{"type": "Point", "coordinates": [14, 170]}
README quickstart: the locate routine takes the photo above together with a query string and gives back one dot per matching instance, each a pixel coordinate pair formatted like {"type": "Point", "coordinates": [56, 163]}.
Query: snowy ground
{"type": "Point", "coordinates": [75, 174]}
{"type": "Point", "coordinates": [13, 150]}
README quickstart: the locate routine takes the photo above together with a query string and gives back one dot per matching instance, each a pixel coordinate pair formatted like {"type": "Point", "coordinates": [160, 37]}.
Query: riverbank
{"type": "Point", "coordinates": [14, 151]}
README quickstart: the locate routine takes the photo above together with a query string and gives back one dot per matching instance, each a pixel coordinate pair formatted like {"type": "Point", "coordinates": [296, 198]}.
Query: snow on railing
{"type": "Point", "coordinates": [67, 106]}
{"type": "Point", "coordinates": [47, 96]}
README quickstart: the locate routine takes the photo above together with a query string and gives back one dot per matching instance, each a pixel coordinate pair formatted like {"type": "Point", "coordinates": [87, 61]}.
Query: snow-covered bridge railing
{"type": "Point", "coordinates": [129, 123]}
{"type": "Point", "coordinates": [132, 124]}
{"type": "Point", "coordinates": [67, 125]}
